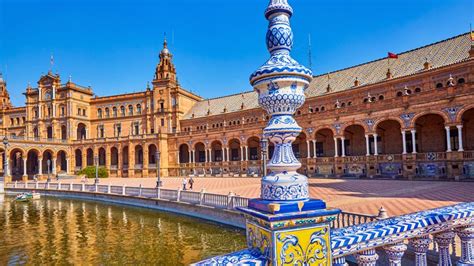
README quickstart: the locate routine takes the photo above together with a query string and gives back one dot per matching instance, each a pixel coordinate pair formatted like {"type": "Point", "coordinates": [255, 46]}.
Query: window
{"type": "Point", "coordinates": [107, 113]}
{"type": "Point", "coordinates": [417, 89]}
{"type": "Point", "coordinates": [136, 128]}
{"type": "Point", "coordinates": [322, 108]}
{"type": "Point", "coordinates": [461, 81]}
{"type": "Point", "coordinates": [130, 110]}
{"type": "Point", "coordinates": [381, 97]}
{"type": "Point", "coordinates": [122, 110]}
{"type": "Point", "coordinates": [162, 122]}
{"type": "Point", "coordinates": [399, 94]}
{"type": "Point", "coordinates": [84, 112]}
{"type": "Point", "coordinates": [99, 113]}
{"type": "Point", "coordinates": [17, 120]}
{"type": "Point", "coordinates": [78, 111]}
{"type": "Point", "coordinates": [118, 130]}
{"type": "Point", "coordinates": [139, 109]}
{"type": "Point", "coordinates": [101, 131]}
{"type": "Point", "coordinates": [114, 111]}
{"type": "Point", "coordinates": [439, 85]}
{"type": "Point", "coordinates": [63, 111]}
{"type": "Point", "coordinates": [162, 106]}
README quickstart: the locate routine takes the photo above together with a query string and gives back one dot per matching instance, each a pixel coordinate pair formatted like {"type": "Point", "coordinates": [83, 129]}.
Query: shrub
{"type": "Point", "coordinates": [89, 172]}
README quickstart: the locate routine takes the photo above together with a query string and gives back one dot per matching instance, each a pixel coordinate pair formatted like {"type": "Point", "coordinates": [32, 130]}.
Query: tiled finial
{"type": "Point", "coordinates": [356, 82]}
{"type": "Point", "coordinates": [427, 64]}
{"type": "Point", "coordinates": [389, 74]}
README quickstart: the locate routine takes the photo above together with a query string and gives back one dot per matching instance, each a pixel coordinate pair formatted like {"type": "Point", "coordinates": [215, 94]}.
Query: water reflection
{"type": "Point", "coordinates": [63, 231]}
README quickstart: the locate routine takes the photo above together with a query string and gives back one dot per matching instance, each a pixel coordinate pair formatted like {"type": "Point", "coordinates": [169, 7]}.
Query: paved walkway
{"type": "Point", "coordinates": [362, 196]}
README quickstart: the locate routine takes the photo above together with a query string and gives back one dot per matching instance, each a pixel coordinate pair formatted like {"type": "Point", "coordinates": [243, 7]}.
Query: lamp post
{"type": "Point", "coordinates": [5, 165]}
{"type": "Point", "coordinates": [157, 159]}
{"type": "Point", "coordinates": [264, 145]}
{"type": "Point", "coordinates": [96, 159]}
{"type": "Point", "coordinates": [48, 162]}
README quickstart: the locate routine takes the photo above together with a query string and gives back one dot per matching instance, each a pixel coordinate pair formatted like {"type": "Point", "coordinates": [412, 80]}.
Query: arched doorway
{"type": "Point", "coordinates": [184, 153]}
{"type": "Point", "coordinates": [16, 164]}
{"type": "Point", "coordinates": [253, 144]}
{"type": "Point", "coordinates": [102, 157]}
{"type": "Point", "coordinates": [354, 140]}
{"type": "Point", "coordinates": [90, 157]}
{"type": "Point", "coordinates": [138, 155]}
{"type": "Point", "coordinates": [152, 154]}
{"type": "Point", "coordinates": [114, 156]}
{"type": "Point", "coordinates": [200, 152]}
{"type": "Point", "coordinates": [81, 131]}
{"type": "Point", "coordinates": [234, 147]}
{"type": "Point", "coordinates": [47, 160]}
{"type": "Point", "coordinates": [324, 143]}
{"type": "Point", "coordinates": [61, 164]}
{"type": "Point", "coordinates": [78, 157]}
{"type": "Point", "coordinates": [63, 132]}
{"type": "Point", "coordinates": [125, 158]}
{"type": "Point", "coordinates": [468, 130]}
{"type": "Point", "coordinates": [32, 165]}
{"type": "Point", "coordinates": [216, 151]}
{"type": "Point", "coordinates": [390, 138]}
{"type": "Point", "coordinates": [299, 146]}
{"type": "Point", "coordinates": [430, 133]}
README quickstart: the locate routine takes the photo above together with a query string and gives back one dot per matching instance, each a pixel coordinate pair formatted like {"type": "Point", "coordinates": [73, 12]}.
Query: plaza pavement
{"type": "Point", "coordinates": [361, 196]}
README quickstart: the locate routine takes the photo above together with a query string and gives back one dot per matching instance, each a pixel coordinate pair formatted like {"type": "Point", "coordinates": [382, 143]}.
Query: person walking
{"type": "Point", "coordinates": [191, 182]}
{"type": "Point", "coordinates": [185, 182]}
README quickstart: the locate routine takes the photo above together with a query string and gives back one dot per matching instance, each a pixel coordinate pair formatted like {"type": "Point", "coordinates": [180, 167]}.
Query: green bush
{"type": "Point", "coordinates": [89, 172]}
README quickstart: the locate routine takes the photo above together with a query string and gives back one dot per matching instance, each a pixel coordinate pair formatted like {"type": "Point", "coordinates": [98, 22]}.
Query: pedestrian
{"type": "Point", "coordinates": [191, 182]}
{"type": "Point", "coordinates": [185, 182]}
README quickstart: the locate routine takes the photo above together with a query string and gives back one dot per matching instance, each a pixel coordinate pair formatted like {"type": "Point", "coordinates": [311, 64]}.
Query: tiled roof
{"type": "Point", "coordinates": [443, 53]}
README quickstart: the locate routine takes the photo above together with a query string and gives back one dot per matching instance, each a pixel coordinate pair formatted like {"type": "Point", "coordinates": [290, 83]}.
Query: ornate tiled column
{"type": "Point", "coordinates": [444, 239]}
{"type": "Point", "coordinates": [285, 225]}
{"type": "Point", "coordinates": [466, 234]}
{"type": "Point", "coordinates": [367, 258]}
{"type": "Point", "coordinates": [420, 246]}
{"type": "Point", "coordinates": [395, 253]}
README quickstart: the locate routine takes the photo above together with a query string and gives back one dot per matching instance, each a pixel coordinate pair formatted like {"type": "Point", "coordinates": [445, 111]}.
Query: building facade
{"type": "Point", "coordinates": [411, 117]}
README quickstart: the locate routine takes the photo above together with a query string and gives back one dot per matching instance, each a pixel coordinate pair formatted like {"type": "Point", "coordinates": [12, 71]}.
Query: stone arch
{"type": "Point", "coordinates": [354, 142]}
{"type": "Point", "coordinates": [81, 131]}
{"type": "Point", "coordinates": [326, 127]}
{"type": "Point", "coordinates": [430, 132]}
{"type": "Point", "coordinates": [61, 161]}
{"type": "Point", "coordinates": [90, 157]}
{"type": "Point", "coordinates": [32, 163]}
{"type": "Point", "coordinates": [390, 137]}
{"type": "Point", "coordinates": [184, 153]}
{"type": "Point", "coordinates": [16, 163]}
{"type": "Point", "coordinates": [47, 160]}
{"type": "Point", "coordinates": [254, 149]}
{"type": "Point", "coordinates": [461, 112]}
{"type": "Point", "coordinates": [234, 149]}
{"type": "Point", "coordinates": [114, 156]}
{"type": "Point", "coordinates": [299, 146]}
{"type": "Point", "coordinates": [102, 156]}
{"type": "Point", "coordinates": [139, 155]}
{"type": "Point", "coordinates": [394, 118]}
{"type": "Point", "coordinates": [433, 112]}
{"type": "Point", "coordinates": [355, 123]}
{"type": "Point", "coordinates": [78, 157]}
{"type": "Point", "coordinates": [217, 154]}
{"type": "Point", "coordinates": [200, 151]}
{"type": "Point", "coordinates": [467, 120]}
{"type": "Point", "coordinates": [152, 149]}
{"type": "Point", "coordinates": [325, 142]}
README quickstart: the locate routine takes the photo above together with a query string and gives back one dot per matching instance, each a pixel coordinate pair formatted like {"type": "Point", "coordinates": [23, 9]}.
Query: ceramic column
{"type": "Point", "coordinates": [466, 234]}
{"type": "Point", "coordinates": [444, 240]}
{"type": "Point", "coordinates": [395, 253]}
{"type": "Point", "coordinates": [420, 246]}
{"type": "Point", "coordinates": [367, 258]}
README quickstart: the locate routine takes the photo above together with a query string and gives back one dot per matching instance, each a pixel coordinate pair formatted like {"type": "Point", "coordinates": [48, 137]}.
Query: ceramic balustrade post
{"type": "Point", "coordinates": [59, 186]}
{"type": "Point", "coordinates": [341, 261]}
{"type": "Point", "coordinates": [123, 190]}
{"type": "Point", "coordinates": [201, 196]}
{"type": "Point", "coordinates": [96, 187]}
{"type": "Point", "coordinates": [367, 257]}
{"type": "Point", "coordinates": [444, 239]}
{"type": "Point", "coordinates": [83, 187]}
{"type": "Point", "coordinates": [230, 200]}
{"type": "Point", "coordinates": [178, 196]}
{"type": "Point", "coordinates": [158, 192]}
{"type": "Point", "coordinates": [108, 189]}
{"type": "Point", "coordinates": [466, 234]}
{"type": "Point", "coordinates": [395, 253]}
{"type": "Point", "coordinates": [70, 186]}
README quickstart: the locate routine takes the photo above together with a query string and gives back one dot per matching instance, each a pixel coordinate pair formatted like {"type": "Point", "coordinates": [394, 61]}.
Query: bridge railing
{"type": "Point", "coordinates": [230, 201]}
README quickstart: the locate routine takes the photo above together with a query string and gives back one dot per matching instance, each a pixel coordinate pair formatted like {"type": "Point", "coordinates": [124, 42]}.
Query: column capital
{"type": "Point", "coordinates": [395, 252]}
{"type": "Point", "coordinates": [459, 126]}
{"type": "Point", "coordinates": [413, 130]}
{"type": "Point", "coordinates": [447, 127]}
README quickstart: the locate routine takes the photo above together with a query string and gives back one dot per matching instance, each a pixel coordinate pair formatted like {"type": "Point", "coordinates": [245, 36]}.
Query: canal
{"type": "Point", "coordinates": [65, 231]}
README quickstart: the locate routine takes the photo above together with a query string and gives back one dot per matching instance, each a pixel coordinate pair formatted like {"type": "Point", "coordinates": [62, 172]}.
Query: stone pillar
{"type": "Point", "coordinates": [367, 149]}
{"type": "Point", "coordinates": [25, 174]}
{"type": "Point", "coordinates": [367, 258]}
{"type": "Point", "coordinates": [7, 165]}
{"type": "Point", "coordinates": [210, 155]}
{"type": "Point", "coordinates": [246, 153]}
{"type": "Point", "coordinates": [242, 153]}
{"type": "Point", "coordinates": [343, 147]}
{"type": "Point", "coordinates": [67, 166]}
{"type": "Point", "coordinates": [53, 166]}
{"type": "Point", "coordinates": [308, 150]}
{"type": "Point", "coordinates": [420, 246]}
{"type": "Point", "coordinates": [228, 153]}
{"type": "Point", "coordinates": [190, 156]}
{"type": "Point", "coordinates": [314, 149]}
{"type": "Point", "coordinates": [194, 156]}
{"type": "Point", "coordinates": [448, 138]}
{"type": "Point", "coordinates": [395, 253]}
{"type": "Point", "coordinates": [404, 142]}
{"type": "Point", "coordinates": [444, 239]}
{"type": "Point", "coordinates": [466, 234]}
{"type": "Point", "coordinates": [413, 140]}
{"type": "Point", "coordinates": [376, 149]}
{"type": "Point", "coordinates": [205, 155]}
{"type": "Point", "coordinates": [461, 148]}
{"type": "Point", "coordinates": [335, 148]}
{"type": "Point", "coordinates": [40, 166]}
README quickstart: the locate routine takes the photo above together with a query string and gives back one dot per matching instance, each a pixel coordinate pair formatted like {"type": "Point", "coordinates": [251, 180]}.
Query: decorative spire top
{"type": "Point", "coordinates": [278, 6]}
{"type": "Point", "coordinates": [1, 78]}
{"type": "Point", "coordinates": [165, 50]}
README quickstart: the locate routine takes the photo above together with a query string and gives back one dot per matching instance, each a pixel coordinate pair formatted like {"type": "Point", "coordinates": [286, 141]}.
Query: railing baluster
{"type": "Point", "coordinates": [341, 261]}
{"type": "Point", "coordinates": [466, 234]}
{"type": "Point", "coordinates": [420, 245]}
{"type": "Point", "coordinates": [443, 240]}
{"type": "Point", "coordinates": [367, 257]}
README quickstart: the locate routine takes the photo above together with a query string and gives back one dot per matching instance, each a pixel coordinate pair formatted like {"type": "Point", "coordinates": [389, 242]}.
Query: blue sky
{"type": "Point", "coordinates": [113, 46]}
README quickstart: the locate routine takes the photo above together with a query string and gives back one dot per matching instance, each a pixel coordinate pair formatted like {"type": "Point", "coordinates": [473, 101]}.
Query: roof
{"type": "Point", "coordinates": [439, 54]}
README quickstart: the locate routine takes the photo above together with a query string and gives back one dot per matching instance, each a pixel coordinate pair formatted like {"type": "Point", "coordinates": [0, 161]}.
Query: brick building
{"type": "Point", "coordinates": [409, 117]}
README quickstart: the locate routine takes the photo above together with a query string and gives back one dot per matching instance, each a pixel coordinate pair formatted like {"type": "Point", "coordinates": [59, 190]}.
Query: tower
{"type": "Point", "coordinates": [4, 96]}
{"type": "Point", "coordinates": [165, 70]}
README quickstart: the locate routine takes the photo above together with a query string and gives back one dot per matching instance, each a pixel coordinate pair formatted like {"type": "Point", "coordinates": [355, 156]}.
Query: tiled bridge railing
{"type": "Point", "coordinates": [203, 198]}
{"type": "Point", "coordinates": [393, 236]}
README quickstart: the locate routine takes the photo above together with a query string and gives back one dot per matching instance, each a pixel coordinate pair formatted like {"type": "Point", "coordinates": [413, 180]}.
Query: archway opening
{"type": "Point", "coordinates": [90, 157]}
{"type": "Point", "coordinates": [430, 133]}
{"type": "Point", "coordinates": [324, 143]}
{"type": "Point", "coordinates": [81, 131]}
{"type": "Point", "coordinates": [183, 153]}
{"type": "Point", "coordinates": [216, 151]}
{"type": "Point", "coordinates": [234, 146]}
{"type": "Point", "coordinates": [78, 158]}
{"type": "Point", "coordinates": [389, 138]}
{"type": "Point", "coordinates": [468, 129]}
{"type": "Point", "coordinates": [62, 162]}
{"type": "Point", "coordinates": [32, 165]}
{"type": "Point", "coordinates": [102, 157]}
{"type": "Point", "coordinates": [354, 140]}
{"type": "Point", "coordinates": [200, 152]}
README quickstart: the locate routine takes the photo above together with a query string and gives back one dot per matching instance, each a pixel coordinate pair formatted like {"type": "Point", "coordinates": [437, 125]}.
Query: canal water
{"type": "Point", "coordinates": [65, 231]}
